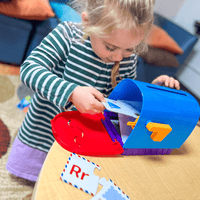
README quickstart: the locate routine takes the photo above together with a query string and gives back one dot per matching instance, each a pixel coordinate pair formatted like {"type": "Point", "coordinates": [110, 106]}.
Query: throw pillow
{"type": "Point", "coordinates": [159, 38]}
{"type": "Point", "coordinates": [160, 57]}
{"type": "Point", "coordinates": [27, 9]}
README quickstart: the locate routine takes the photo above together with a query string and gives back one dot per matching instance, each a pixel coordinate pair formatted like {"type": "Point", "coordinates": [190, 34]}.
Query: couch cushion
{"type": "Point", "coordinates": [160, 57]}
{"type": "Point", "coordinates": [185, 39]}
{"type": "Point", "coordinates": [14, 34]}
{"type": "Point", "coordinates": [159, 38]}
{"type": "Point", "coordinates": [27, 9]}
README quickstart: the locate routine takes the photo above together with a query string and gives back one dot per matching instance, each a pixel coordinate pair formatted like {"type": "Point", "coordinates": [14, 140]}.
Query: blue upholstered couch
{"type": "Point", "coordinates": [19, 37]}
{"type": "Point", "coordinates": [147, 72]}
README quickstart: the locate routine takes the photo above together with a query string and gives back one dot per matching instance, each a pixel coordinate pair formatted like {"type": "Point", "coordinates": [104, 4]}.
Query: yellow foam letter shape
{"type": "Point", "coordinates": [160, 131]}
{"type": "Point", "coordinates": [132, 124]}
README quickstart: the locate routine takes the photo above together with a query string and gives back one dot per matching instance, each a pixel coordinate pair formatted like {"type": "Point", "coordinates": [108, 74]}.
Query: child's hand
{"type": "Point", "coordinates": [167, 81]}
{"type": "Point", "coordinates": [87, 100]}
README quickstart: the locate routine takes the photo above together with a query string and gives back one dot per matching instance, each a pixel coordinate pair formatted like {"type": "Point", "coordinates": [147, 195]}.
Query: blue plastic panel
{"type": "Point", "coordinates": [159, 105]}
{"type": "Point", "coordinates": [65, 12]}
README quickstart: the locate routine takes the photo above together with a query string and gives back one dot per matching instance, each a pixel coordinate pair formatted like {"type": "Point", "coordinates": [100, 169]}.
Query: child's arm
{"type": "Point", "coordinates": [167, 81]}
{"type": "Point", "coordinates": [37, 70]}
{"type": "Point", "coordinates": [87, 100]}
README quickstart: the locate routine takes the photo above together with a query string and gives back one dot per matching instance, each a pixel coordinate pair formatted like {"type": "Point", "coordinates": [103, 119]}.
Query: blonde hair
{"type": "Point", "coordinates": [104, 16]}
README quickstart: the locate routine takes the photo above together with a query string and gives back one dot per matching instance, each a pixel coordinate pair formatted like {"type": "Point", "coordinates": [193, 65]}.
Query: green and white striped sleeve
{"type": "Point", "coordinates": [37, 71]}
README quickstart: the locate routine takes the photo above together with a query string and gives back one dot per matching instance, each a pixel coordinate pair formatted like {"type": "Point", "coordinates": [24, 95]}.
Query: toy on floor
{"type": "Point", "coordinates": [24, 104]}
{"type": "Point", "coordinates": [162, 121]}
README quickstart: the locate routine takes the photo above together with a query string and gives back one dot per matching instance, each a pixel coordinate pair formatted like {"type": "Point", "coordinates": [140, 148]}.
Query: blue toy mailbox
{"type": "Point", "coordinates": [165, 113]}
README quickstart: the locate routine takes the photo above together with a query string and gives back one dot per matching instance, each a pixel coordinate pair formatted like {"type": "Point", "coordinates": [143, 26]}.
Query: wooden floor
{"type": "Point", "coordinates": [6, 69]}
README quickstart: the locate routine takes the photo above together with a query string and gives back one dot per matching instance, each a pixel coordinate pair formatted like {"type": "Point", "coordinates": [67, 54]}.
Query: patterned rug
{"type": "Point", "coordinates": [11, 187]}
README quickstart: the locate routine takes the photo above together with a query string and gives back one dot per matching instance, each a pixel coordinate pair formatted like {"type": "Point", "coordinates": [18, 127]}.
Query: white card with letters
{"type": "Point", "coordinates": [120, 107]}
{"type": "Point", "coordinates": [110, 191]}
{"type": "Point", "coordinates": [79, 173]}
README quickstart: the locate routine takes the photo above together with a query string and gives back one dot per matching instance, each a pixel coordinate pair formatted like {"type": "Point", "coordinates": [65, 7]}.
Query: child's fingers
{"type": "Point", "coordinates": [171, 82]}
{"type": "Point", "coordinates": [166, 81]}
{"type": "Point", "coordinates": [177, 85]}
{"type": "Point", "coordinates": [99, 107]}
{"type": "Point", "coordinates": [98, 95]}
{"type": "Point", "coordinates": [160, 80]}
{"type": "Point", "coordinates": [86, 100]}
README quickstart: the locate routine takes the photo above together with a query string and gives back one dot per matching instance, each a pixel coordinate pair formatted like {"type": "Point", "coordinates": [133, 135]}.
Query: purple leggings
{"type": "Point", "coordinates": [24, 161]}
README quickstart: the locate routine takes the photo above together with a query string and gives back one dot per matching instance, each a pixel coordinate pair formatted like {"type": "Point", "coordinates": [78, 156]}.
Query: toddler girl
{"type": "Point", "coordinates": [75, 67]}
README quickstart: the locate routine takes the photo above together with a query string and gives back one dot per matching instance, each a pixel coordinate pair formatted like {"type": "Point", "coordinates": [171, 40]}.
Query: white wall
{"type": "Point", "coordinates": [168, 8]}
{"type": "Point", "coordinates": [189, 12]}
{"type": "Point", "coordinates": [184, 13]}
{"type": "Point", "coordinates": [189, 73]}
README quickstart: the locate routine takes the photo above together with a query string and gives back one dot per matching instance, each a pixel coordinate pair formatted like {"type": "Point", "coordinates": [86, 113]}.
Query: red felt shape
{"type": "Point", "coordinates": [84, 134]}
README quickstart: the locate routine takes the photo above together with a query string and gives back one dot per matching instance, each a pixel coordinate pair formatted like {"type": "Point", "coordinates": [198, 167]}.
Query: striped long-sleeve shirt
{"type": "Point", "coordinates": [53, 70]}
